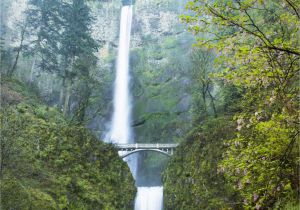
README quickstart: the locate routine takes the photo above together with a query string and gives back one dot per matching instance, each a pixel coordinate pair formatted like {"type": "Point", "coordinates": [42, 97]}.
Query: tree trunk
{"type": "Point", "coordinates": [32, 70]}
{"type": "Point", "coordinates": [1, 158]}
{"type": "Point", "coordinates": [204, 98]}
{"type": "Point", "coordinates": [11, 72]}
{"type": "Point", "coordinates": [213, 104]}
{"type": "Point", "coordinates": [62, 91]}
{"type": "Point", "coordinates": [68, 85]}
{"type": "Point", "coordinates": [67, 98]}
{"type": "Point", "coordinates": [204, 92]}
{"type": "Point", "coordinates": [83, 103]}
{"type": "Point", "coordinates": [13, 69]}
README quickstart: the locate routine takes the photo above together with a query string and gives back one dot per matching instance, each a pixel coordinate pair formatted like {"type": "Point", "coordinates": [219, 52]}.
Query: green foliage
{"type": "Point", "coordinates": [170, 42]}
{"type": "Point", "coordinates": [161, 99]}
{"type": "Point", "coordinates": [6, 51]}
{"type": "Point", "coordinates": [291, 206]}
{"type": "Point", "coordinates": [64, 47]}
{"type": "Point", "coordinates": [6, 58]}
{"type": "Point", "coordinates": [257, 44]}
{"type": "Point", "coordinates": [48, 163]}
{"type": "Point", "coordinates": [262, 162]}
{"type": "Point", "coordinates": [203, 85]}
{"type": "Point", "coordinates": [46, 26]}
{"type": "Point", "coordinates": [192, 180]}
{"type": "Point", "coordinates": [63, 31]}
{"type": "Point", "coordinates": [76, 36]}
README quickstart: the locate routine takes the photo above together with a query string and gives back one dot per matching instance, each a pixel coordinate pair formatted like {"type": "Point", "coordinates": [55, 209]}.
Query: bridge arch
{"type": "Point", "coordinates": [141, 150]}
{"type": "Point", "coordinates": [128, 149]}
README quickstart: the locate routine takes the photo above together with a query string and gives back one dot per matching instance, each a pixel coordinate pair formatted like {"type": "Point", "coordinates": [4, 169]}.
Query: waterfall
{"type": "Point", "coordinates": [148, 198]}
{"type": "Point", "coordinates": [120, 130]}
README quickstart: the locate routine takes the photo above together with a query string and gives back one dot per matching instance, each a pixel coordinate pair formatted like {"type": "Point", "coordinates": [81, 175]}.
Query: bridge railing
{"type": "Point", "coordinates": [146, 146]}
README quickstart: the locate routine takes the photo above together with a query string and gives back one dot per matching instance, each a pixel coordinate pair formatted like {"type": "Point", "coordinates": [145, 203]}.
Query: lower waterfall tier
{"type": "Point", "coordinates": [149, 198]}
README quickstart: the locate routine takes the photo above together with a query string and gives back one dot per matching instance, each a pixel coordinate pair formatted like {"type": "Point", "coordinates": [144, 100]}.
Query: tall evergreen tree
{"type": "Point", "coordinates": [45, 22]}
{"type": "Point", "coordinates": [5, 54]}
{"type": "Point", "coordinates": [63, 40]}
{"type": "Point", "coordinates": [77, 44]}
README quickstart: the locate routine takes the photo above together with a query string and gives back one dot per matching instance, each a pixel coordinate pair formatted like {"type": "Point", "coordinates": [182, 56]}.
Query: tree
{"type": "Point", "coordinates": [63, 32]}
{"type": "Point", "coordinates": [202, 67]}
{"type": "Point", "coordinates": [5, 54]}
{"type": "Point", "coordinates": [191, 179]}
{"type": "Point", "coordinates": [11, 43]}
{"type": "Point", "coordinates": [84, 85]}
{"type": "Point", "coordinates": [76, 44]}
{"type": "Point", "coordinates": [257, 44]}
{"type": "Point", "coordinates": [45, 23]}
{"type": "Point", "coordinates": [18, 50]}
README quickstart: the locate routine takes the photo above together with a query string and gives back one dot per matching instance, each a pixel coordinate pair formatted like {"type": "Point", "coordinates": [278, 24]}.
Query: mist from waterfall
{"type": "Point", "coordinates": [148, 198]}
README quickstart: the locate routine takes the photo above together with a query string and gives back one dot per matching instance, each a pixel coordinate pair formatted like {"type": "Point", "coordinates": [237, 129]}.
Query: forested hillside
{"type": "Point", "coordinates": [48, 162]}
{"type": "Point", "coordinates": [246, 155]}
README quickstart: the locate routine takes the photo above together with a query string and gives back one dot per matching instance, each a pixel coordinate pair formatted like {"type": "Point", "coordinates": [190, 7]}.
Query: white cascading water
{"type": "Point", "coordinates": [120, 131]}
{"type": "Point", "coordinates": [148, 198]}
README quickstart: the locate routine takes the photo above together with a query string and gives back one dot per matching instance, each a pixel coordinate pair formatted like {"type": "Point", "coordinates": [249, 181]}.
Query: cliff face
{"type": "Point", "coordinates": [160, 82]}
{"type": "Point", "coordinates": [158, 46]}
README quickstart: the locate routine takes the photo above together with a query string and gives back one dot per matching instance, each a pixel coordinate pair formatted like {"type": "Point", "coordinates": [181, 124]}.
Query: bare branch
{"type": "Point", "coordinates": [294, 8]}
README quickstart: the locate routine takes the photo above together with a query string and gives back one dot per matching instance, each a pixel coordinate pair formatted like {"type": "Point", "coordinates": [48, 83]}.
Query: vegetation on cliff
{"type": "Point", "coordinates": [256, 164]}
{"type": "Point", "coordinates": [48, 162]}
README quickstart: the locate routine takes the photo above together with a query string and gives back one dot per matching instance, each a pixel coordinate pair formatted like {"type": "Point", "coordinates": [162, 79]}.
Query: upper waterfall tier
{"type": "Point", "coordinates": [120, 131]}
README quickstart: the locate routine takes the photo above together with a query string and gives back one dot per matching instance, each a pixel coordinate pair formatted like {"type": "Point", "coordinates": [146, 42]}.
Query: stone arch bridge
{"type": "Point", "coordinates": [128, 149]}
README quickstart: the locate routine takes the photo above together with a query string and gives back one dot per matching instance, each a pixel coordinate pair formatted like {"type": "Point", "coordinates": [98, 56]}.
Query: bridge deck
{"type": "Point", "coordinates": [146, 146]}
